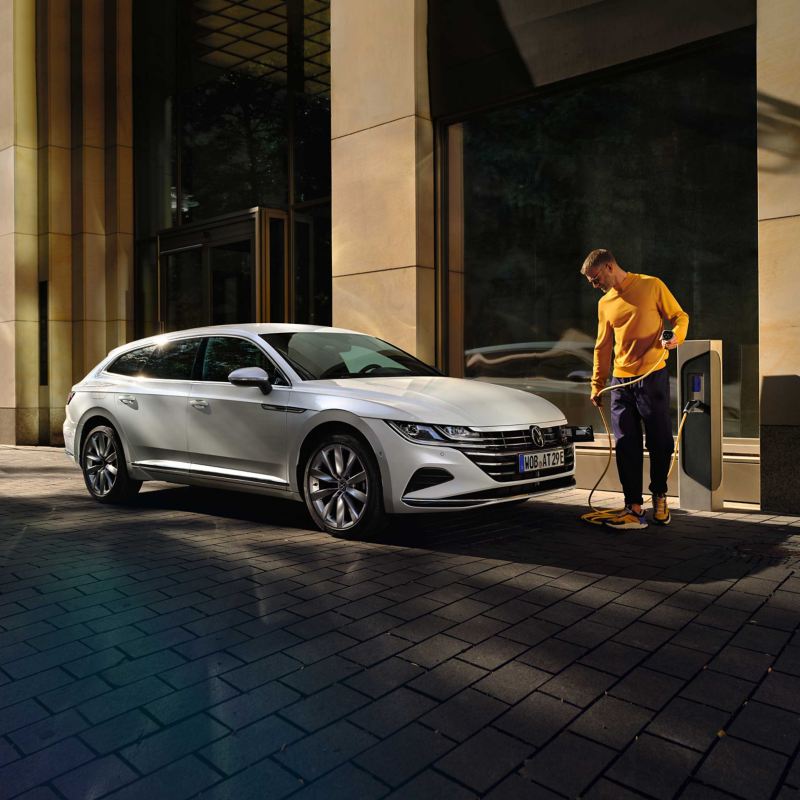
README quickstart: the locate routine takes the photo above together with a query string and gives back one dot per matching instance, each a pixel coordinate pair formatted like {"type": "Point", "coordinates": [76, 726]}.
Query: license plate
{"type": "Point", "coordinates": [545, 460]}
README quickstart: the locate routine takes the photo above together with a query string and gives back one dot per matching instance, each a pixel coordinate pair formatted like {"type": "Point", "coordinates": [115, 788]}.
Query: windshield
{"type": "Point", "coordinates": [318, 356]}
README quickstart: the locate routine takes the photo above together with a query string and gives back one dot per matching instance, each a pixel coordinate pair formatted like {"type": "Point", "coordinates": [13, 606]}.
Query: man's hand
{"type": "Point", "coordinates": [671, 344]}
{"type": "Point", "coordinates": [597, 399]}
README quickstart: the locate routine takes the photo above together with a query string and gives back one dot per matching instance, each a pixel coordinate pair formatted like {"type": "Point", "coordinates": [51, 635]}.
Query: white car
{"type": "Point", "coordinates": [349, 424]}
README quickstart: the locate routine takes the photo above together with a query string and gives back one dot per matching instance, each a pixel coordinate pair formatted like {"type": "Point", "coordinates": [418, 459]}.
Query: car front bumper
{"type": "Point", "coordinates": [469, 485]}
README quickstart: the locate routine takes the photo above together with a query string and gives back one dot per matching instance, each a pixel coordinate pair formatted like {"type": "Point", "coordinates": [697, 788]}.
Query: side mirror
{"type": "Point", "coordinates": [251, 376]}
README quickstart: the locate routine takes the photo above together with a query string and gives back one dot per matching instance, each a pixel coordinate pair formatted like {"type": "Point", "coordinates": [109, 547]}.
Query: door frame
{"type": "Point", "coordinates": [252, 225]}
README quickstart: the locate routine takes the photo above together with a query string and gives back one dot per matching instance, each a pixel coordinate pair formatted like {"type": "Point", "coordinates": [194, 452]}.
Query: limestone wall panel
{"type": "Point", "coordinates": [60, 276]}
{"type": "Point", "coordinates": [94, 276]}
{"type": "Point", "coordinates": [59, 190]}
{"type": "Point", "coordinates": [59, 122]}
{"type": "Point", "coordinates": [26, 277]}
{"type": "Point", "coordinates": [385, 304]}
{"type": "Point", "coordinates": [6, 191]}
{"type": "Point", "coordinates": [26, 191]}
{"type": "Point", "coordinates": [94, 190]}
{"type": "Point", "coordinates": [778, 108]}
{"type": "Point", "coordinates": [373, 61]}
{"type": "Point", "coordinates": [8, 380]}
{"type": "Point", "coordinates": [6, 75]}
{"type": "Point", "coordinates": [374, 199]}
{"type": "Point", "coordinates": [7, 313]}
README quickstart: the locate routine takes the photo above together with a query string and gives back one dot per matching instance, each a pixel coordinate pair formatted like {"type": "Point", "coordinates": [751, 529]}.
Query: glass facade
{"type": "Point", "coordinates": [655, 161]}
{"type": "Point", "coordinates": [231, 113]}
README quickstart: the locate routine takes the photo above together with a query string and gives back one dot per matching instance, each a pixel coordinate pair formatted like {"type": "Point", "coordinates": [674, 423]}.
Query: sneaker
{"type": "Point", "coordinates": [627, 520]}
{"type": "Point", "coordinates": [660, 515]}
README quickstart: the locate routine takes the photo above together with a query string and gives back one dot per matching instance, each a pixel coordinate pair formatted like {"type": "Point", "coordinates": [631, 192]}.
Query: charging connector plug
{"type": "Point", "coordinates": [695, 407]}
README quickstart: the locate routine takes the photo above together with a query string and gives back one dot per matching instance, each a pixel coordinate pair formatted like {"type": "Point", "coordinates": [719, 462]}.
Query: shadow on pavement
{"type": "Point", "coordinates": [693, 548]}
{"type": "Point", "coordinates": [207, 612]}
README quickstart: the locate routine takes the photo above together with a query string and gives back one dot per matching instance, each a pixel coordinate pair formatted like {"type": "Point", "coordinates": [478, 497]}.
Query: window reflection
{"type": "Point", "coordinates": [224, 354]}
{"type": "Point", "coordinates": [231, 283]}
{"type": "Point", "coordinates": [185, 294]}
{"type": "Point", "coordinates": [312, 265]}
{"type": "Point", "coordinates": [132, 364]}
{"type": "Point", "coordinates": [658, 165]}
{"type": "Point", "coordinates": [233, 146]}
{"type": "Point", "coordinates": [232, 112]}
{"type": "Point", "coordinates": [173, 360]}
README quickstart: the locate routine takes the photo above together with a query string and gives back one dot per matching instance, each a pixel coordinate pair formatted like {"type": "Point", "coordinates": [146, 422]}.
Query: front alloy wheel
{"type": "Point", "coordinates": [342, 486]}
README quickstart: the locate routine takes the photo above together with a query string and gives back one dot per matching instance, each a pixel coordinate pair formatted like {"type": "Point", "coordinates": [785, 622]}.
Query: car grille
{"type": "Point", "coordinates": [496, 452]}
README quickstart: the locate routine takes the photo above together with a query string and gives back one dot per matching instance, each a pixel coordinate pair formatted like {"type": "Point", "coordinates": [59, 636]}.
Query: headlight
{"type": "Point", "coordinates": [458, 432]}
{"type": "Point", "coordinates": [417, 431]}
{"type": "Point", "coordinates": [433, 434]}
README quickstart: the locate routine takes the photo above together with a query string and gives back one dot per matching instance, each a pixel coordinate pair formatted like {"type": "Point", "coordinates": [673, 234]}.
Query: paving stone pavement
{"type": "Point", "coordinates": [209, 644]}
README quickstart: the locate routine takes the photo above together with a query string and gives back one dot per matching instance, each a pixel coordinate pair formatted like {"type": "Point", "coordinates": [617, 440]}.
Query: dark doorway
{"type": "Point", "coordinates": [229, 270]}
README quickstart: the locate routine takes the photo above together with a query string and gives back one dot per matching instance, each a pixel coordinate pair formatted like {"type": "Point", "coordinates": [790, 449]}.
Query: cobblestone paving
{"type": "Point", "coordinates": [209, 644]}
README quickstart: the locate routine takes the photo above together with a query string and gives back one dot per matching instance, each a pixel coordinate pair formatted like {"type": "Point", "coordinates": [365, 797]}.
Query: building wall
{"type": "Point", "coordinates": [383, 217]}
{"type": "Point", "coordinates": [779, 244]}
{"type": "Point", "coordinates": [66, 192]}
{"type": "Point", "coordinates": [382, 172]}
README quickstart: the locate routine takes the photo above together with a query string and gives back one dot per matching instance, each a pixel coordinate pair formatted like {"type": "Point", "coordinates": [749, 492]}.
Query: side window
{"type": "Point", "coordinates": [132, 363]}
{"type": "Point", "coordinates": [224, 354]}
{"type": "Point", "coordinates": [173, 360]}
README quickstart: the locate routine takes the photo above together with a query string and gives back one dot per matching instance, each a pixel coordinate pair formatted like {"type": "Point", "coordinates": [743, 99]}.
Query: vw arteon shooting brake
{"type": "Point", "coordinates": [349, 424]}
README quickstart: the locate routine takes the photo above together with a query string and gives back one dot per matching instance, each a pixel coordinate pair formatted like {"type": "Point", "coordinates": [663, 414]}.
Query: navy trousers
{"type": "Point", "coordinates": [644, 404]}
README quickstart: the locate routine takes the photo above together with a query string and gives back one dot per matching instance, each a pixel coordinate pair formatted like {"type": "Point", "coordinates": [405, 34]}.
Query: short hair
{"type": "Point", "coordinates": [596, 259]}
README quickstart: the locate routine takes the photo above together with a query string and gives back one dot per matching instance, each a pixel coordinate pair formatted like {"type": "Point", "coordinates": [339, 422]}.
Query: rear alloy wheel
{"type": "Point", "coordinates": [342, 487]}
{"type": "Point", "coordinates": [104, 469]}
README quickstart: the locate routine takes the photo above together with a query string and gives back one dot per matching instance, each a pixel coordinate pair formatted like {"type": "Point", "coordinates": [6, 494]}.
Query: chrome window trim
{"type": "Point", "coordinates": [143, 378]}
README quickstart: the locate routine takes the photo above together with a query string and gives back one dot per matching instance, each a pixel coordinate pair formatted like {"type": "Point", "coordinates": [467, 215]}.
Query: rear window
{"type": "Point", "coordinates": [132, 363]}
{"type": "Point", "coordinates": [173, 360]}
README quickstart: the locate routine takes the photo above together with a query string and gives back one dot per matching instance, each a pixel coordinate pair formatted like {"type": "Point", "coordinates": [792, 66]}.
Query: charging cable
{"type": "Point", "coordinates": [597, 516]}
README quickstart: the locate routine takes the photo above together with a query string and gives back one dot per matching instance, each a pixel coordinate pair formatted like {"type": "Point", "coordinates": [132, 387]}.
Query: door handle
{"type": "Point", "coordinates": [199, 403]}
{"type": "Point", "coordinates": [128, 400]}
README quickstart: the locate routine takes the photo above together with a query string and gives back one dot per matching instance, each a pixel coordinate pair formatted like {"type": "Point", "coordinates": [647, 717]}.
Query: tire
{"type": "Point", "coordinates": [342, 487]}
{"type": "Point", "coordinates": [103, 465]}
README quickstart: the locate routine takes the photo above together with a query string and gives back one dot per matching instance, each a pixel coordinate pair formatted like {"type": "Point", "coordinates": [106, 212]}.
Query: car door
{"type": "Point", "coordinates": [151, 403]}
{"type": "Point", "coordinates": [237, 432]}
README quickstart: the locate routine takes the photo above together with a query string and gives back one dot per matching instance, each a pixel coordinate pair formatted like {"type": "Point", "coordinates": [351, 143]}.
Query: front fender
{"type": "Point", "coordinates": [308, 424]}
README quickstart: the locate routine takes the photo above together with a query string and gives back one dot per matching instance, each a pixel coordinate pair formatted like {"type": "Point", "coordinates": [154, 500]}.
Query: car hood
{"type": "Point", "coordinates": [442, 400]}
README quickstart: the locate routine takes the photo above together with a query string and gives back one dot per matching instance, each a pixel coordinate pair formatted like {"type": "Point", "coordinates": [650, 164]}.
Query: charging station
{"type": "Point", "coordinates": [700, 453]}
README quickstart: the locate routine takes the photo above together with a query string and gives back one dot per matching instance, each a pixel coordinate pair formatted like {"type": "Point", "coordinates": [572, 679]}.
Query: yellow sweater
{"type": "Point", "coordinates": [630, 320]}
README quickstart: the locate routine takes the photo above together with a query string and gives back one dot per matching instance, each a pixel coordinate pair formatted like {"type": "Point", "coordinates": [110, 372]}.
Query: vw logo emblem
{"type": "Point", "coordinates": [536, 435]}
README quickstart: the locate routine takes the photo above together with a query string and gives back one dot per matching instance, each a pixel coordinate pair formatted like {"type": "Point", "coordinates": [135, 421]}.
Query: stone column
{"type": "Point", "coordinates": [55, 199]}
{"type": "Point", "coordinates": [382, 172]}
{"type": "Point", "coordinates": [19, 288]}
{"type": "Point", "coordinates": [778, 249]}
{"type": "Point", "coordinates": [66, 213]}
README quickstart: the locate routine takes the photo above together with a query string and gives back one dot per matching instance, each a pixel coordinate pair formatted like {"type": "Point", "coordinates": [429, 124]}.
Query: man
{"type": "Point", "coordinates": [631, 316]}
